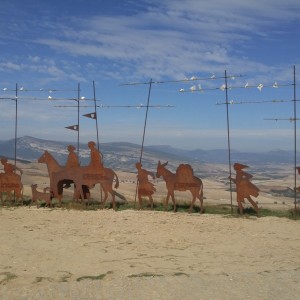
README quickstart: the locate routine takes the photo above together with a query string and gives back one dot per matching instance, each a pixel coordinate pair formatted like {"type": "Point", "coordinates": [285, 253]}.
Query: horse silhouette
{"type": "Point", "coordinates": [175, 182]}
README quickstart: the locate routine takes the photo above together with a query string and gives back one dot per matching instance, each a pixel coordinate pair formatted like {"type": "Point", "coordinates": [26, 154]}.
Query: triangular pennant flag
{"type": "Point", "coordinates": [91, 115]}
{"type": "Point", "coordinates": [73, 127]}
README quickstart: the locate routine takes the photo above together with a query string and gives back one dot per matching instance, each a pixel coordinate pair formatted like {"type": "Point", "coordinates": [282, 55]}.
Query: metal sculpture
{"type": "Point", "coordinates": [81, 176]}
{"type": "Point", "coordinates": [145, 187]}
{"type": "Point", "coordinates": [36, 195]}
{"type": "Point", "coordinates": [183, 180]}
{"type": "Point", "coordinates": [244, 187]}
{"type": "Point", "coordinates": [10, 182]}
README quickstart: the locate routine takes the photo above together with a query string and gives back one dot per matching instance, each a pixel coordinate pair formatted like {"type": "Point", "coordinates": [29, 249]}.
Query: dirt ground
{"type": "Point", "coordinates": [77, 254]}
{"type": "Point", "coordinates": [60, 253]}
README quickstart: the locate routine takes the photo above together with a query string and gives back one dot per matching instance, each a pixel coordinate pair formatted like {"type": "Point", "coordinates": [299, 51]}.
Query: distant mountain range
{"type": "Point", "coordinates": [123, 156]}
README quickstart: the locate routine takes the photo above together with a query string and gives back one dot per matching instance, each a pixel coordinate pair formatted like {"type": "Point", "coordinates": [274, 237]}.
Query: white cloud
{"type": "Point", "coordinates": [164, 39]}
{"type": "Point", "coordinates": [10, 66]}
{"type": "Point", "coordinates": [174, 37]}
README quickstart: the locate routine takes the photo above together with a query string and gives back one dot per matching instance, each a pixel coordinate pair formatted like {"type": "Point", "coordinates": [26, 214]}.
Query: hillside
{"type": "Point", "coordinates": [123, 156]}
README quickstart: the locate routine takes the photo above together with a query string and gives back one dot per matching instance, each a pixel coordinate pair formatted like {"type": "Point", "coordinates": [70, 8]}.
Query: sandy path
{"type": "Point", "coordinates": [69, 254]}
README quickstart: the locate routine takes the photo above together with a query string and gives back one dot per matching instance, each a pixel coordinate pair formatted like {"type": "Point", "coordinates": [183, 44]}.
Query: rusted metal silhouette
{"type": "Point", "coordinates": [244, 187]}
{"type": "Point", "coordinates": [145, 187]}
{"type": "Point", "coordinates": [81, 176]}
{"type": "Point", "coordinates": [183, 180]}
{"type": "Point", "coordinates": [10, 182]}
{"type": "Point", "coordinates": [43, 196]}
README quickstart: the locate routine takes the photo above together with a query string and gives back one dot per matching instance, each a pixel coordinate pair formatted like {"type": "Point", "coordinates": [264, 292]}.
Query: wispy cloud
{"type": "Point", "coordinates": [164, 39]}
{"type": "Point", "coordinates": [174, 37]}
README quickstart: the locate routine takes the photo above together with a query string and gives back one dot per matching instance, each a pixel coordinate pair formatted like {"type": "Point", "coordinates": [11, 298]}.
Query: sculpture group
{"type": "Point", "coordinates": [86, 177]}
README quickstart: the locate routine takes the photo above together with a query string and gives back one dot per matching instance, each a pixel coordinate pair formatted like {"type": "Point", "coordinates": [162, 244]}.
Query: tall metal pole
{"type": "Point", "coordinates": [16, 131]}
{"type": "Point", "coordinates": [144, 132]}
{"type": "Point", "coordinates": [98, 146]}
{"type": "Point", "coordinates": [16, 125]}
{"type": "Point", "coordinates": [146, 117]}
{"type": "Point", "coordinates": [94, 89]}
{"type": "Point", "coordinates": [295, 142]}
{"type": "Point", "coordinates": [78, 98]}
{"type": "Point", "coordinates": [228, 139]}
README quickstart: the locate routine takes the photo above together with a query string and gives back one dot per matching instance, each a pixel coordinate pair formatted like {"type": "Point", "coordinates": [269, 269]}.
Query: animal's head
{"type": "Point", "coordinates": [34, 186]}
{"type": "Point", "coordinates": [43, 158]}
{"type": "Point", "coordinates": [160, 168]}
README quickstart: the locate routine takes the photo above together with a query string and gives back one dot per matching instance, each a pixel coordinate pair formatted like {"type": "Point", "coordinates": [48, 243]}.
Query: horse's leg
{"type": "Point", "coordinates": [253, 204]}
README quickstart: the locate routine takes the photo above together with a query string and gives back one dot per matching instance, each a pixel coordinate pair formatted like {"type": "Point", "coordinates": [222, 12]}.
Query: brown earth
{"type": "Point", "coordinates": [103, 254]}
{"type": "Point", "coordinates": [77, 254]}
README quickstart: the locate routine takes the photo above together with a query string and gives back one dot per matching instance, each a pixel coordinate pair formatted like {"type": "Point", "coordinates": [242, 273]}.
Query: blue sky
{"type": "Point", "coordinates": [54, 45]}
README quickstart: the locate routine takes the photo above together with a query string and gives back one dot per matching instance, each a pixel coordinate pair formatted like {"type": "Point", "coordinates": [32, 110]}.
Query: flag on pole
{"type": "Point", "coordinates": [91, 115]}
{"type": "Point", "coordinates": [73, 127]}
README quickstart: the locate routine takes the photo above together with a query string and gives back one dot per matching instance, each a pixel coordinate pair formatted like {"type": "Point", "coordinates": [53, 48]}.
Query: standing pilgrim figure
{"type": "Point", "coordinates": [244, 187]}
{"type": "Point", "coordinates": [145, 187]}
